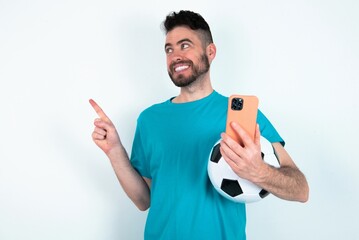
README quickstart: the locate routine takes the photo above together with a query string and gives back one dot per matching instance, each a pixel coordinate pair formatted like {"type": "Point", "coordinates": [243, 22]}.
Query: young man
{"type": "Point", "coordinates": [167, 172]}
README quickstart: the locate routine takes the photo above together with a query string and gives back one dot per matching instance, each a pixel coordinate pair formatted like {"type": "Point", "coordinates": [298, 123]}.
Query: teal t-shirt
{"type": "Point", "coordinates": [171, 146]}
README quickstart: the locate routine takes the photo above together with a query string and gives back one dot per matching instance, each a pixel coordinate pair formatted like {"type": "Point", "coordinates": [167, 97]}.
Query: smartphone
{"type": "Point", "coordinates": [243, 110]}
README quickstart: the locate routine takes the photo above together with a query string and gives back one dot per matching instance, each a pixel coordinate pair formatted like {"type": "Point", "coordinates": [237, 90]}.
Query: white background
{"type": "Point", "coordinates": [301, 58]}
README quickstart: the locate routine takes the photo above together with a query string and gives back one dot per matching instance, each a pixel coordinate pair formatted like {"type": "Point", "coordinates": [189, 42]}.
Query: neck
{"type": "Point", "coordinates": [201, 88]}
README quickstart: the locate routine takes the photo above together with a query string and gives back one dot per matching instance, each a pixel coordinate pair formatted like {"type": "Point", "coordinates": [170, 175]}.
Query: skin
{"type": "Point", "coordinates": [107, 139]}
{"type": "Point", "coordinates": [184, 55]}
{"type": "Point", "coordinates": [178, 48]}
{"type": "Point", "coordinates": [286, 182]}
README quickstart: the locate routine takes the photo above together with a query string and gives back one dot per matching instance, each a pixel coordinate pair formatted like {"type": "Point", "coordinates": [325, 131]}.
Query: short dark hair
{"type": "Point", "coordinates": [189, 19]}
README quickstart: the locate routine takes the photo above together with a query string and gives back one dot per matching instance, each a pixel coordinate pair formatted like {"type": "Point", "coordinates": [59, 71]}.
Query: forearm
{"type": "Point", "coordinates": [286, 182]}
{"type": "Point", "coordinates": [107, 139]}
{"type": "Point", "coordinates": [131, 181]}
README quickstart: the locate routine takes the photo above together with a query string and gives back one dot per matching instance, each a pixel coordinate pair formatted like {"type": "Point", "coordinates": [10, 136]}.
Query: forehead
{"type": "Point", "coordinates": [179, 33]}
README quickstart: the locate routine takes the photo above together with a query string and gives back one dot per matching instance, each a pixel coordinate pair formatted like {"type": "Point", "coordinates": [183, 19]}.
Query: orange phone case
{"type": "Point", "coordinates": [243, 110]}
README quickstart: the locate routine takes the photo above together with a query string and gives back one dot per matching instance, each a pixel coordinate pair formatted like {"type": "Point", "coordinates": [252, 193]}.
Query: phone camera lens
{"type": "Point", "coordinates": [237, 104]}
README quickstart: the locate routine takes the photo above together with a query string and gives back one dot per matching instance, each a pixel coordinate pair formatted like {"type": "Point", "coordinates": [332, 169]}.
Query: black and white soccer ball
{"type": "Point", "coordinates": [229, 184]}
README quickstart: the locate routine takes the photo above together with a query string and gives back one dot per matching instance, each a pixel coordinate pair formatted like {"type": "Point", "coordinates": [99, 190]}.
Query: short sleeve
{"type": "Point", "coordinates": [267, 129]}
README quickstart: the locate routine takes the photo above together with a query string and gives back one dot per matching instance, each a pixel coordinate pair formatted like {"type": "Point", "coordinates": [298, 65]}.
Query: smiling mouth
{"type": "Point", "coordinates": [181, 68]}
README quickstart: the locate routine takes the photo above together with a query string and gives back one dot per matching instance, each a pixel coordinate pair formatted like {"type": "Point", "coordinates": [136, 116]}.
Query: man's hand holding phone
{"type": "Point", "coordinates": [240, 145]}
{"type": "Point", "coordinates": [246, 159]}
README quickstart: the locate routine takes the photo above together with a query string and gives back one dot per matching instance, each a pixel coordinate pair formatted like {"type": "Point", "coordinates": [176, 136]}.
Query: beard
{"type": "Point", "coordinates": [197, 71]}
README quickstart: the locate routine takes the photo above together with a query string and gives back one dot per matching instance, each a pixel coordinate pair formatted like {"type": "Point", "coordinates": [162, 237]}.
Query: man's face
{"type": "Point", "coordinates": [186, 57]}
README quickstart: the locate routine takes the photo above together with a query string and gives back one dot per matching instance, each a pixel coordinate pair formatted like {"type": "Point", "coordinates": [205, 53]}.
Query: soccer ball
{"type": "Point", "coordinates": [229, 184]}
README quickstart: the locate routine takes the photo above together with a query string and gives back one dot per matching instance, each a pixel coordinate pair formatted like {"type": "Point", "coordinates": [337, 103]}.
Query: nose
{"type": "Point", "coordinates": [173, 60]}
{"type": "Point", "coordinates": [176, 55]}
{"type": "Point", "coordinates": [176, 58]}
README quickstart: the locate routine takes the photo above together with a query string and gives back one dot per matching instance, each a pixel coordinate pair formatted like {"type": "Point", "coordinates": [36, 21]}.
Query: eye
{"type": "Point", "coordinates": [184, 45]}
{"type": "Point", "coordinates": [168, 50]}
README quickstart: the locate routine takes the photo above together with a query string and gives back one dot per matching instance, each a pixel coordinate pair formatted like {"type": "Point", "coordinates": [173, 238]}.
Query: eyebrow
{"type": "Point", "coordinates": [179, 42]}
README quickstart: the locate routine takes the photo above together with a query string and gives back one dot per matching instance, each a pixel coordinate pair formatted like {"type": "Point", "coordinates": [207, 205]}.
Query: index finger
{"type": "Point", "coordinates": [98, 110]}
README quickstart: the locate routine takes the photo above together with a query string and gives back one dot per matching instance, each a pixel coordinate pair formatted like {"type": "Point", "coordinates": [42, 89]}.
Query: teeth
{"type": "Point", "coordinates": [180, 68]}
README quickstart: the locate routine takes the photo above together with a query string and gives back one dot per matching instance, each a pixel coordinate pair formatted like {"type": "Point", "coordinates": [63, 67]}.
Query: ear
{"type": "Point", "coordinates": [211, 51]}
